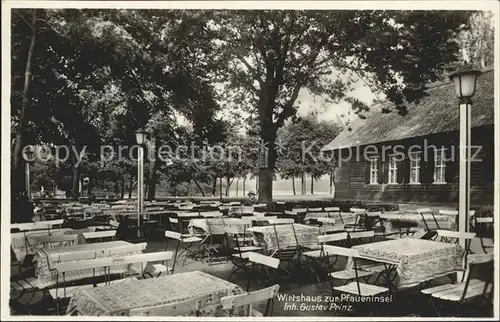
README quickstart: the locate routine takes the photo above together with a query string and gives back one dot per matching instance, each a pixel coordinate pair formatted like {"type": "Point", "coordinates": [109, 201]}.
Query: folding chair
{"type": "Point", "coordinates": [422, 212]}
{"type": "Point", "coordinates": [264, 263]}
{"type": "Point", "coordinates": [240, 250]}
{"type": "Point", "coordinates": [452, 214]}
{"type": "Point", "coordinates": [65, 267]}
{"type": "Point", "coordinates": [214, 242]}
{"type": "Point", "coordinates": [468, 289]}
{"type": "Point", "coordinates": [184, 244]}
{"type": "Point", "coordinates": [144, 259]}
{"type": "Point", "coordinates": [356, 287]}
{"type": "Point", "coordinates": [211, 214]}
{"type": "Point", "coordinates": [267, 294]}
{"type": "Point", "coordinates": [484, 228]}
{"type": "Point", "coordinates": [321, 258]}
{"type": "Point", "coordinates": [359, 215]}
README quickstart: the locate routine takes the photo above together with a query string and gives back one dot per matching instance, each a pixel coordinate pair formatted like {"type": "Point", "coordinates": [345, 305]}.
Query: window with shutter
{"type": "Point", "coordinates": [440, 166]}
{"type": "Point", "coordinates": [393, 170]}
{"type": "Point", "coordinates": [415, 158]}
{"type": "Point", "coordinates": [373, 170]}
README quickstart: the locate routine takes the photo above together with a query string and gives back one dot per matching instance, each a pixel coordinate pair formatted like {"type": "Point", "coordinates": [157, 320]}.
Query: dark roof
{"type": "Point", "coordinates": [436, 113]}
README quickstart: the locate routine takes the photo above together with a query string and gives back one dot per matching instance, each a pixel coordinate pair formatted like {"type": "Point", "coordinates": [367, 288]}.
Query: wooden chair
{"type": "Point", "coordinates": [484, 228]}
{"type": "Point", "coordinates": [356, 287]}
{"type": "Point", "coordinates": [422, 212]}
{"type": "Point", "coordinates": [64, 267]}
{"type": "Point", "coordinates": [184, 245]}
{"type": "Point", "coordinates": [321, 258]}
{"type": "Point", "coordinates": [191, 307]}
{"type": "Point", "coordinates": [144, 259]}
{"type": "Point", "coordinates": [100, 235]}
{"type": "Point", "coordinates": [360, 214]}
{"type": "Point", "coordinates": [267, 294]}
{"type": "Point", "coordinates": [468, 289]}
{"type": "Point", "coordinates": [240, 250]}
{"type": "Point", "coordinates": [262, 261]}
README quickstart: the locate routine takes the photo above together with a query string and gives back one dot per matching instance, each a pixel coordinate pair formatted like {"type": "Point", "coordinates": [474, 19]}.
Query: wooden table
{"type": "Point", "coordinates": [120, 298]}
{"type": "Point", "coordinates": [47, 258]}
{"type": "Point", "coordinates": [415, 260]}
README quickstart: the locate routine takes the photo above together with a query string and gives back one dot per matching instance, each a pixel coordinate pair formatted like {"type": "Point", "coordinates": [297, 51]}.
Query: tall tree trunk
{"type": "Point", "coordinates": [331, 182]}
{"type": "Point", "coordinates": [257, 184]}
{"type": "Point", "coordinates": [237, 185]}
{"type": "Point", "coordinates": [75, 191]}
{"type": "Point", "coordinates": [90, 186]}
{"type": "Point", "coordinates": [220, 188]}
{"type": "Point", "coordinates": [199, 187]}
{"type": "Point", "coordinates": [302, 184]}
{"type": "Point", "coordinates": [130, 187]}
{"type": "Point", "coordinates": [229, 182]}
{"type": "Point", "coordinates": [312, 185]}
{"type": "Point", "coordinates": [293, 186]}
{"type": "Point", "coordinates": [122, 190]}
{"type": "Point", "coordinates": [244, 185]}
{"type": "Point", "coordinates": [153, 166]}
{"type": "Point", "coordinates": [17, 180]}
{"type": "Point", "coordinates": [189, 188]}
{"type": "Point", "coordinates": [214, 186]}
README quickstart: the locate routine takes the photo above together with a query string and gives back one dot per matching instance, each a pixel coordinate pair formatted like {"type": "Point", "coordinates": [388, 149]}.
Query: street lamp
{"type": "Point", "coordinates": [28, 153]}
{"type": "Point", "coordinates": [464, 79]}
{"type": "Point", "coordinates": [140, 136]}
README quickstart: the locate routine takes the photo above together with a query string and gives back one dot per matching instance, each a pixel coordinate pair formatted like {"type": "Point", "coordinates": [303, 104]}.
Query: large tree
{"type": "Point", "coordinates": [270, 57]}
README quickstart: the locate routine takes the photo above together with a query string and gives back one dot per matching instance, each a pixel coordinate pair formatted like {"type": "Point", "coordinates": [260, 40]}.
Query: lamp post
{"type": "Point", "coordinates": [140, 136]}
{"type": "Point", "coordinates": [28, 160]}
{"type": "Point", "coordinates": [464, 79]}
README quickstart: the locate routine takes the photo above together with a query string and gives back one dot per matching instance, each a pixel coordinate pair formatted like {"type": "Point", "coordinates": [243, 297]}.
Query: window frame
{"type": "Point", "coordinates": [441, 167]}
{"type": "Point", "coordinates": [392, 170]}
{"type": "Point", "coordinates": [416, 167]}
{"type": "Point", "coordinates": [374, 171]}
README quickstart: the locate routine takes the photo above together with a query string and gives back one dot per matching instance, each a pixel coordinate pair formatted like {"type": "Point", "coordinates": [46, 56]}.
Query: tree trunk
{"type": "Point", "coordinates": [17, 180]}
{"type": "Point", "coordinates": [257, 184]}
{"type": "Point", "coordinates": [214, 186]}
{"type": "Point", "coordinates": [90, 186]}
{"type": "Point", "coordinates": [189, 188]}
{"type": "Point", "coordinates": [75, 191]}
{"type": "Point", "coordinates": [302, 184]}
{"type": "Point", "coordinates": [130, 187]}
{"type": "Point", "coordinates": [331, 182]}
{"type": "Point", "coordinates": [220, 188]}
{"type": "Point", "coordinates": [312, 185]}
{"type": "Point", "coordinates": [244, 185]}
{"type": "Point", "coordinates": [228, 186]}
{"type": "Point", "coordinates": [237, 185]}
{"type": "Point", "coordinates": [153, 166]}
{"type": "Point", "coordinates": [199, 187]}
{"type": "Point", "coordinates": [293, 186]}
{"type": "Point", "coordinates": [122, 190]}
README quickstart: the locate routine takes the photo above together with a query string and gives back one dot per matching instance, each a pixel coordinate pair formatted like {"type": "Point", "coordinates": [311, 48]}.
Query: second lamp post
{"type": "Point", "coordinates": [140, 136]}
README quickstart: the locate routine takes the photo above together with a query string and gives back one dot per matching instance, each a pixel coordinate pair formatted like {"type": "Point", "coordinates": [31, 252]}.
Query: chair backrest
{"type": "Point", "coordinates": [317, 209]}
{"type": "Point", "coordinates": [331, 228]}
{"type": "Point", "coordinates": [172, 309]}
{"type": "Point", "coordinates": [211, 214]}
{"type": "Point", "coordinates": [373, 213]}
{"type": "Point", "coordinates": [83, 264]}
{"type": "Point", "coordinates": [290, 212]}
{"type": "Point", "coordinates": [173, 234]}
{"type": "Point", "coordinates": [234, 301]}
{"type": "Point", "coordinates": [362, 234]}
{"type": "Point", "coordinates": [99, 234]}
{"type": "Point", "coordinates": [147, 257]}
{"type": "Point", "coordinates": [50, 223]}
{"type": "Point", "coordinates": [340, 251]}
{"type": "Point", "coordinates": [480, 258]}
{"type": "Point", "coordinates": [247, 209]}
{"type": "Point", "coordinates": [332, 237]}
{"type": "Point", "coordinates": [173, 220]}
{"type": "Point", "coordinates": [281, 221]}
{"type": "Point", "coordinates": [484, 220]}
{"type": "Point", "coordinates": [358, 210]}
{"type": "Point", "coordinates": [448, 212]}
{"type": "Point", "coordinates": [263, 260]}
{"type": "Point", "coordinates": [444, 234]}
{"type": "Point", "coordinates": [332, 209]}
{"type": "Point", "coordinates": [299, 210]}
{"type": "Point", "coordinates": [114, 223]}
{"type": "Point", "coordinates": [117, 251]}
{"type": "Point", "coordinates": [326, 220]}
{"type": "Point", "coordinates": [424, 211]}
